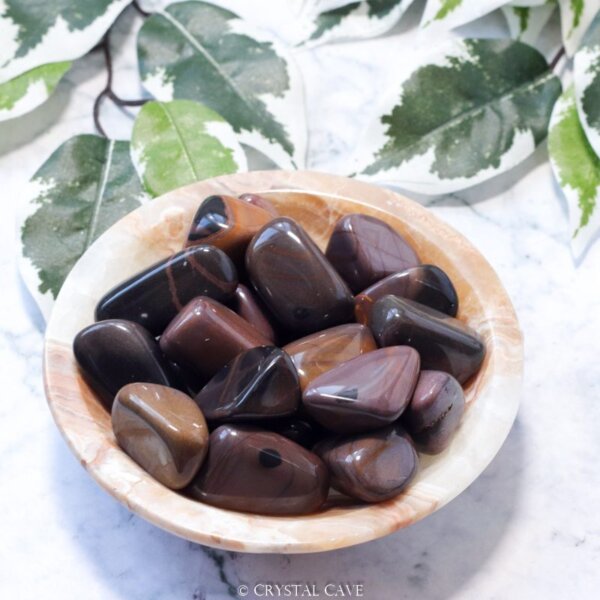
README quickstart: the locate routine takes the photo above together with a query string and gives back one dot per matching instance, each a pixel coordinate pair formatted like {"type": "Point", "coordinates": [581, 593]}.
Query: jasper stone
{"type": "Point", "coordinates": [246, 305]}
{"type": "Point", "coordinates": [367, 392]}
{"type": "Point", "coordinates": [435, 411]}
{"type": "Point", "coordinates": [227, 223]}
{"type": "Point", "coordinates": [444, 343]}
{"type": "Point", "coordinates": [295, 281]}
{"type": "Point", "coordinates": [425, 284]}
{"type": "Point", "coordinates": [258, 383]}
{"type": "Point", "coordinates": [320, 352]}
{"type": "Point", "coordinates": [261, 202]}
{"type": "Point", "coordinates": [364, 250]}
{"type": "Point", "coordinates": [154, 296]}
{"type": "Point", "coordinates": [373, 466]}
{"type": "Point", "coordinates": [113, 353]}
{"type": "Point", "coordinates": [162, 430]}
{"type": "Point", "coordinates": [206, 335]}
{"type": "Point", "coordinates": [299, 430]}
{"type": "Point", "coordinates": [260, 472]}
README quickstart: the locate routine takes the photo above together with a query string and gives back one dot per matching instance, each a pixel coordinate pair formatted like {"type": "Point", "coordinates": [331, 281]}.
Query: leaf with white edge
{"type": "Point", "coordinates": [85, 186]}
{"type": "Point", "coordinates": [197, 51]}
{"type": "Point", "coordinates": [526, 23]}
{"type": "Point", "coordinates": [472, 110]}
{"type": "Point", "coordinates": [363, 19]}
{"type": "Point", "coordinates": [35, 33]}
{"type": "Point", "coordinates": [447, 14]}
{"type": "Point", "coordinates": [587, 83]}
{"type": "Point", "coordinates": [531, 3]}
{"type": "Point", "coordinates": [575, 17]}
{"type": "Point", "coordinates": [577, 169]}
{"type": "Point", "coordinates": [180, 142]}
{"type": "Point", "coordinates": [26, 92]}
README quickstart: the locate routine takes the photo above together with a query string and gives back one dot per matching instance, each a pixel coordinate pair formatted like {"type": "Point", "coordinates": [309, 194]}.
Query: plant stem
{"type": "Point", "coordinates": [557, 58]}
{"type": "Point", "coordinates": [136, 5]}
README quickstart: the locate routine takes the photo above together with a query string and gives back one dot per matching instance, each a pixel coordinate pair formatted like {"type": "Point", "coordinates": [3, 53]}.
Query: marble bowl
{"type": "Point", "coordinates": [156, 230]}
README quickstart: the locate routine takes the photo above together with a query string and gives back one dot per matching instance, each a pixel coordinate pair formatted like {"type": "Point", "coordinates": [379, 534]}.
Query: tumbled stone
{"type": "Point", "coordinates": [261, 202]}
{"type": "Point", "coordinates": [115, 352]}
{"type": "Point", "coordinates": [227, 223]}
{"type": "Point", "coordinates": [435, 411]}
{"type": "Point", "coordinates": [245, 304]}
{"type": "Point", "coordinates": [295, 281]}
{"type": "Point", "coordinates": [258, 383]}
{"type": "Point", "coordinates": [320, 352]}
{"type": "Point", "coordinates": [367, 392]}
{"type": "Point", "coordinates": [425, 284]}
{"type": "Point", "coordinates": [444, 343]}
{"type": "Point", "coordinates": [373, 466]}
{"type": "Point", "coordinates": [260, 472]}
{"type": "Point", "coordinates": [364, 250]}
{"type": "Point", "coordinates": [153, 297]}
{"type": "Point", "coordinates": [298, 429]}
{"type": "Point", "coordinates": [162, 430]}
{"type": "Point", "coordinates": [206, 335]}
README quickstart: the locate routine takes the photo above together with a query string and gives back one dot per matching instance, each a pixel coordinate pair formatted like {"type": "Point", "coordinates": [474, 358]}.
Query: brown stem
{"type": "Point", "coordinates": [557, 58]}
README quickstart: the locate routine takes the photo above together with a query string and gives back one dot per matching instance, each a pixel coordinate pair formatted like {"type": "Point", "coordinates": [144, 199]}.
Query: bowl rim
{"type": "Point", "coordinates": [83, 424]}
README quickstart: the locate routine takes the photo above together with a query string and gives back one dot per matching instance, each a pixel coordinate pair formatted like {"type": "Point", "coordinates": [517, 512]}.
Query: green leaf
{"type": "Point", "coordinates": [576, 16]}
{"type": "Point", "coordinates": [180, 142]}
{"type": "Point", "coordinates": [471, 111]}
{"type": "Point", "coordinates": [448, 14]}
{"type": "Point", "coordinates": [587, 83]}
{"type": "Point", "coordinates": [577, 168]}
{"type": "Point", "coordinates": [25, 92]}
{"type": "Point", "coordinates": [364, 19]}
{"type": "Point", "coordinates": [86, 185]}
{"type": "Point", "coordinates": [527, 22]}
{"type": "Point", "coordinates": [197, 51]}
{"type": "Point", "coordinates": [35, 33]}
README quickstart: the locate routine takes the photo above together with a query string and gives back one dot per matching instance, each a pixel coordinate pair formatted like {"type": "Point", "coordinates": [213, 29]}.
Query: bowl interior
{"type": "Point", "coordinates": [315, 200]}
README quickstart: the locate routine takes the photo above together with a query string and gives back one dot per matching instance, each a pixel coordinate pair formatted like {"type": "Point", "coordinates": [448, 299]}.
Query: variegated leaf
{"type": "Point", "coordinates": [472, 110]}
{"type": "Point", "coordinates": [575, 17]}
{"type": "Point", "coordinates": [34, 33]}
{"type": "Point", "coordinates": [198, 51]}
{"type": "Point", "coordinates": [448, 14]}
{"type": "Point", "coordinates": [577, 168]}
{"type": "Point", "coordinates": [526, 23]}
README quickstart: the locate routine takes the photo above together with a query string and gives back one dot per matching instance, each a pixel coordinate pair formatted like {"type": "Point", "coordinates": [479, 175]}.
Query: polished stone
{"type": "Point", "coordinates": [113, 353]}
{"type": "Point", "coordinates": [444, 343]}
{"type": "Point", "coordinates": [261, 202]}
{"type": "Point", "coordinates": [367, 392]}
{"type": "Point", "coordinates": [206, 335]}
{"type": "Point", "coordinates": [435, 411]}
{"type": "Point", "coordinates": [162, 430]}
{"type": "Point", "coordinates": [364, 250]}
{"type": "Point", "coordinates": [227, 223]}
{"type": "Point", "coordinates": [373, 466]}
{"type": "Point", "coordinates": [295, 280]}
{"type": "Point", "coordinates": [246, 305]}
{"type": "Point", "coordinates": [320, 352]}
{"type": "Point", "coordinates": [258, 383]}
{"type": "Point", "coordinates": [300, 430]}
{"type": "Point", "coordinates": [154, 296]}
{"type": "Point", "coordinates": [425, 284]}
{"type": "Point", "coordinates": [260, 472]}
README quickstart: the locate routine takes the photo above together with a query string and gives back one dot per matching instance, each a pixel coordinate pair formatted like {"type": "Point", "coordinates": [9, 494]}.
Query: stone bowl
{"type": "Point", "coordinates": [315, 200]}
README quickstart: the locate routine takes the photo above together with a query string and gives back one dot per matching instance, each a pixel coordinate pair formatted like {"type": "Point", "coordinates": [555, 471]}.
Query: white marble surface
{"type": "Point", "coordinates": [529, 528]}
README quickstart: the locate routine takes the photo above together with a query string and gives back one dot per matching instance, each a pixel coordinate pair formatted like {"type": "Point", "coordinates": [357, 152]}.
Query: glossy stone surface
{"type": "Point", "coordinates": [113, 353]}
{"type": "Point", "coordinates": [262, 472]}
{"type": "Point", "coordinates": [227, 223]}
{"type": "Point", "coordinates": [435, 411]}
{"type": "Point", "coordinates": [299, 430]}
{"type": "Point", "coordinates": [444, 343]}
{"type": "Point", "coordinates": [245, 304]}
{"type": "Point", "coordinates": [373, 466]}
{"type": "Point", "coordinates": [425, 284]}
{"type": "Point", "coordinates": [206, 335]}
{"type": "Point", "coordinates": [261, 202]}
{"type": "Point", "coordinates": [320, 352]}
{"type": "Point", "coordinates": [364, 250]}
{"type": "Point", "coordinates": [257, 384]}
{"type": "Point", "coordinates": [154, 296]}
{"type": "Point", "coordinates": [295, 280]}
{"type": "Point", "coordinates": [162, 430]}
{"type": "Point", "coordinates": [367, 392]}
